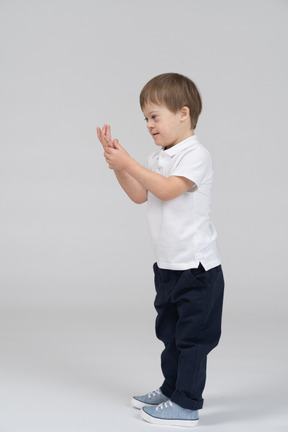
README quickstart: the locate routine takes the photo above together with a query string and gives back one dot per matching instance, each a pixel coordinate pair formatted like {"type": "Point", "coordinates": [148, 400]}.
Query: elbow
{"type": "Point", "coordinates": [140, 199]}
{"type": "Point", "coordinates": [166, 196]}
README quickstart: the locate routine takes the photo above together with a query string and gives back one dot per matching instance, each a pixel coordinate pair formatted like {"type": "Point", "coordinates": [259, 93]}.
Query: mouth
{"type": "Point", "coordinates": [155, 134]}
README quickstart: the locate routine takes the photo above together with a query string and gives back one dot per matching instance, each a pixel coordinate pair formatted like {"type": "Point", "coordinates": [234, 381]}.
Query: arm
{"type": "Point", "coordinates": [136, 192]}
{"type": "Point", "coordinates": [132, 187]}
{"type": "Point", "coordinates": [162, 187]}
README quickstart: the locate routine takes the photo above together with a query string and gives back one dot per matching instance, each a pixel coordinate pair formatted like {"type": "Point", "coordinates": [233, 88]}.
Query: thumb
{"type": "Point", "coordinates": [116, 144]}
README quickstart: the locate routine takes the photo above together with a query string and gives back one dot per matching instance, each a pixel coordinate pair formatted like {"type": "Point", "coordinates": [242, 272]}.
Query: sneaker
{"type": "Point", "coordinates": [154, 398]}
{"type": "Point", "coordinates": [170, 414]}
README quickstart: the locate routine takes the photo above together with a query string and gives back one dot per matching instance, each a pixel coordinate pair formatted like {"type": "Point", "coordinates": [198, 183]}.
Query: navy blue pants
{"type": "Point", "coordinates": [189, 311]}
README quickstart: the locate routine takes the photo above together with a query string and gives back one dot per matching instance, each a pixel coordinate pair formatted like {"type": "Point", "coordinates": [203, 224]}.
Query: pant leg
{"type": "Point", "coordinates": [199, 299]}
{"type": "Point", "coordinates": [189, 306]}
{"type": "Point", "coordinates": [165, 326]}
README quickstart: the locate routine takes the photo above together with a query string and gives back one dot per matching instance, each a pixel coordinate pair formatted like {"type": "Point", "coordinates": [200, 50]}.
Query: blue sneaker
{"type": "Point", "coordinates": [154, 398]}
{"type": "Point", "coordinates": [170, 414]}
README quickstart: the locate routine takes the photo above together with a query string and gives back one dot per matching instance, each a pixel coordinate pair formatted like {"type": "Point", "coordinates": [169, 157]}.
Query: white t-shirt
{"type": "Point", "coordinates": [181, 230]}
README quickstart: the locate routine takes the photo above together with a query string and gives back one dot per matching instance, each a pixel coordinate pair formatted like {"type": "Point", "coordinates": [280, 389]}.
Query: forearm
{"type": "Point", "coordinates": [162, 187]}
{"type": "Point", "coordinates": [136, 192]}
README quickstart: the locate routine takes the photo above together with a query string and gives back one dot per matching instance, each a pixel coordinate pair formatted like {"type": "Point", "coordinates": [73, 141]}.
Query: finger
{"type": "Point", "coordinates": [108, 141]}
{"type": "Point", "coordinates": [108, 132]}
{"type": "Point", "coordinates": [100, 136]}
{"type": "Point", "coordinates": [106, 135]}
{"type": "Point", "coordinates": [116, 144]}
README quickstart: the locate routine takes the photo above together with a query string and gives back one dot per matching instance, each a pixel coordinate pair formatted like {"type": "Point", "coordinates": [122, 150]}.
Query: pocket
{"type": "Point", "coordinates": [198, 275]}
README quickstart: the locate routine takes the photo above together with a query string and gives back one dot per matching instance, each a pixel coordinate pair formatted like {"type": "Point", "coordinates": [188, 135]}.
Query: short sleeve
{"type": "Point", "coordinates": [195, 165]}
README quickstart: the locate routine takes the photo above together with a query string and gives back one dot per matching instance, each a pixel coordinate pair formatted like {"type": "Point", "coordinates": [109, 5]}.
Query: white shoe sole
{"type": "Point", "coordinates": [159, 421]}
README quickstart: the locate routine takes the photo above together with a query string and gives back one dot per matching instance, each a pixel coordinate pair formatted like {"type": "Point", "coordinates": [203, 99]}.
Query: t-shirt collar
{"type": "Point", "coordinates": [181, 145]}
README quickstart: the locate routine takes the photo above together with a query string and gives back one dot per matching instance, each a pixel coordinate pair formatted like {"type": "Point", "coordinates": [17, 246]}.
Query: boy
{"type": "Point", "coordinates": [176, 183]}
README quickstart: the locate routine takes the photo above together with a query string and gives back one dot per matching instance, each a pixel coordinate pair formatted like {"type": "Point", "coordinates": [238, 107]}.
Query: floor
{"type": "Point", "coordinates": [76, 371]}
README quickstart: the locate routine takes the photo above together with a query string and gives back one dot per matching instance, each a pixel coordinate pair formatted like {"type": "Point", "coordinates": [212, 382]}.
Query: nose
{"type": "Point", "coordinates": [150, 124]}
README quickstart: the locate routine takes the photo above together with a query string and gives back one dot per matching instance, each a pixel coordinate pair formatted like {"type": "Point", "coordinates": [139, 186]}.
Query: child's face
{"type": "Point", "coordinates": [167, 128]}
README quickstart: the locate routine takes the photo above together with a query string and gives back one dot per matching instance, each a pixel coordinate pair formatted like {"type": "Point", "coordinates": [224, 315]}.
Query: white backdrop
{"type": "Point", "coordinates": [69, 236]}
{"type": "Point", "coordinates": [70, 239]}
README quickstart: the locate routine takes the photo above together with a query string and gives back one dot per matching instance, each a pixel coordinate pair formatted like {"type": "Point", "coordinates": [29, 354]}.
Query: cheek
{"type": "Point", "coordinates": [169, 129]}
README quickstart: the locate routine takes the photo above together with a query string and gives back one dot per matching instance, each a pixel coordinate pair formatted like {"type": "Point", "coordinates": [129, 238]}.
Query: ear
{"type": "Point", "coordinates": [184, 113]}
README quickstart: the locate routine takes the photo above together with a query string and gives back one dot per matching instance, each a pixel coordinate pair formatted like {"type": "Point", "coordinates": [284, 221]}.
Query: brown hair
{"type": "Point", "coordinates": [175, 91]}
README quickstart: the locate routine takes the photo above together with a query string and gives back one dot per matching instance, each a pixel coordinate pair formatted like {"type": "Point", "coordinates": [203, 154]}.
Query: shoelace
{"type": "Point", "coordinates": [154, 393]}
{"type": "Point", "coordinates": [164, 405]}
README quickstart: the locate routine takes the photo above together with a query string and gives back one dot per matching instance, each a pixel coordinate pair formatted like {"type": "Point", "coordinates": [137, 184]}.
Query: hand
{"type": "Point", "coordinates": [116, 156]}
{"type": "Point", "coordinates": [104, 136]}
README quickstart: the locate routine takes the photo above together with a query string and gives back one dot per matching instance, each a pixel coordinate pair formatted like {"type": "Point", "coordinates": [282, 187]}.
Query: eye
{"type": "Point", "coordinates": [145, 119]}
{"type": "Point", "coordinates": [154, 117]}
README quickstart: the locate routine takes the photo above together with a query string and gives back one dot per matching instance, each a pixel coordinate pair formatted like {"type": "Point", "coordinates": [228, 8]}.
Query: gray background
{"type": "Point", "coordinates": [77, 316]}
